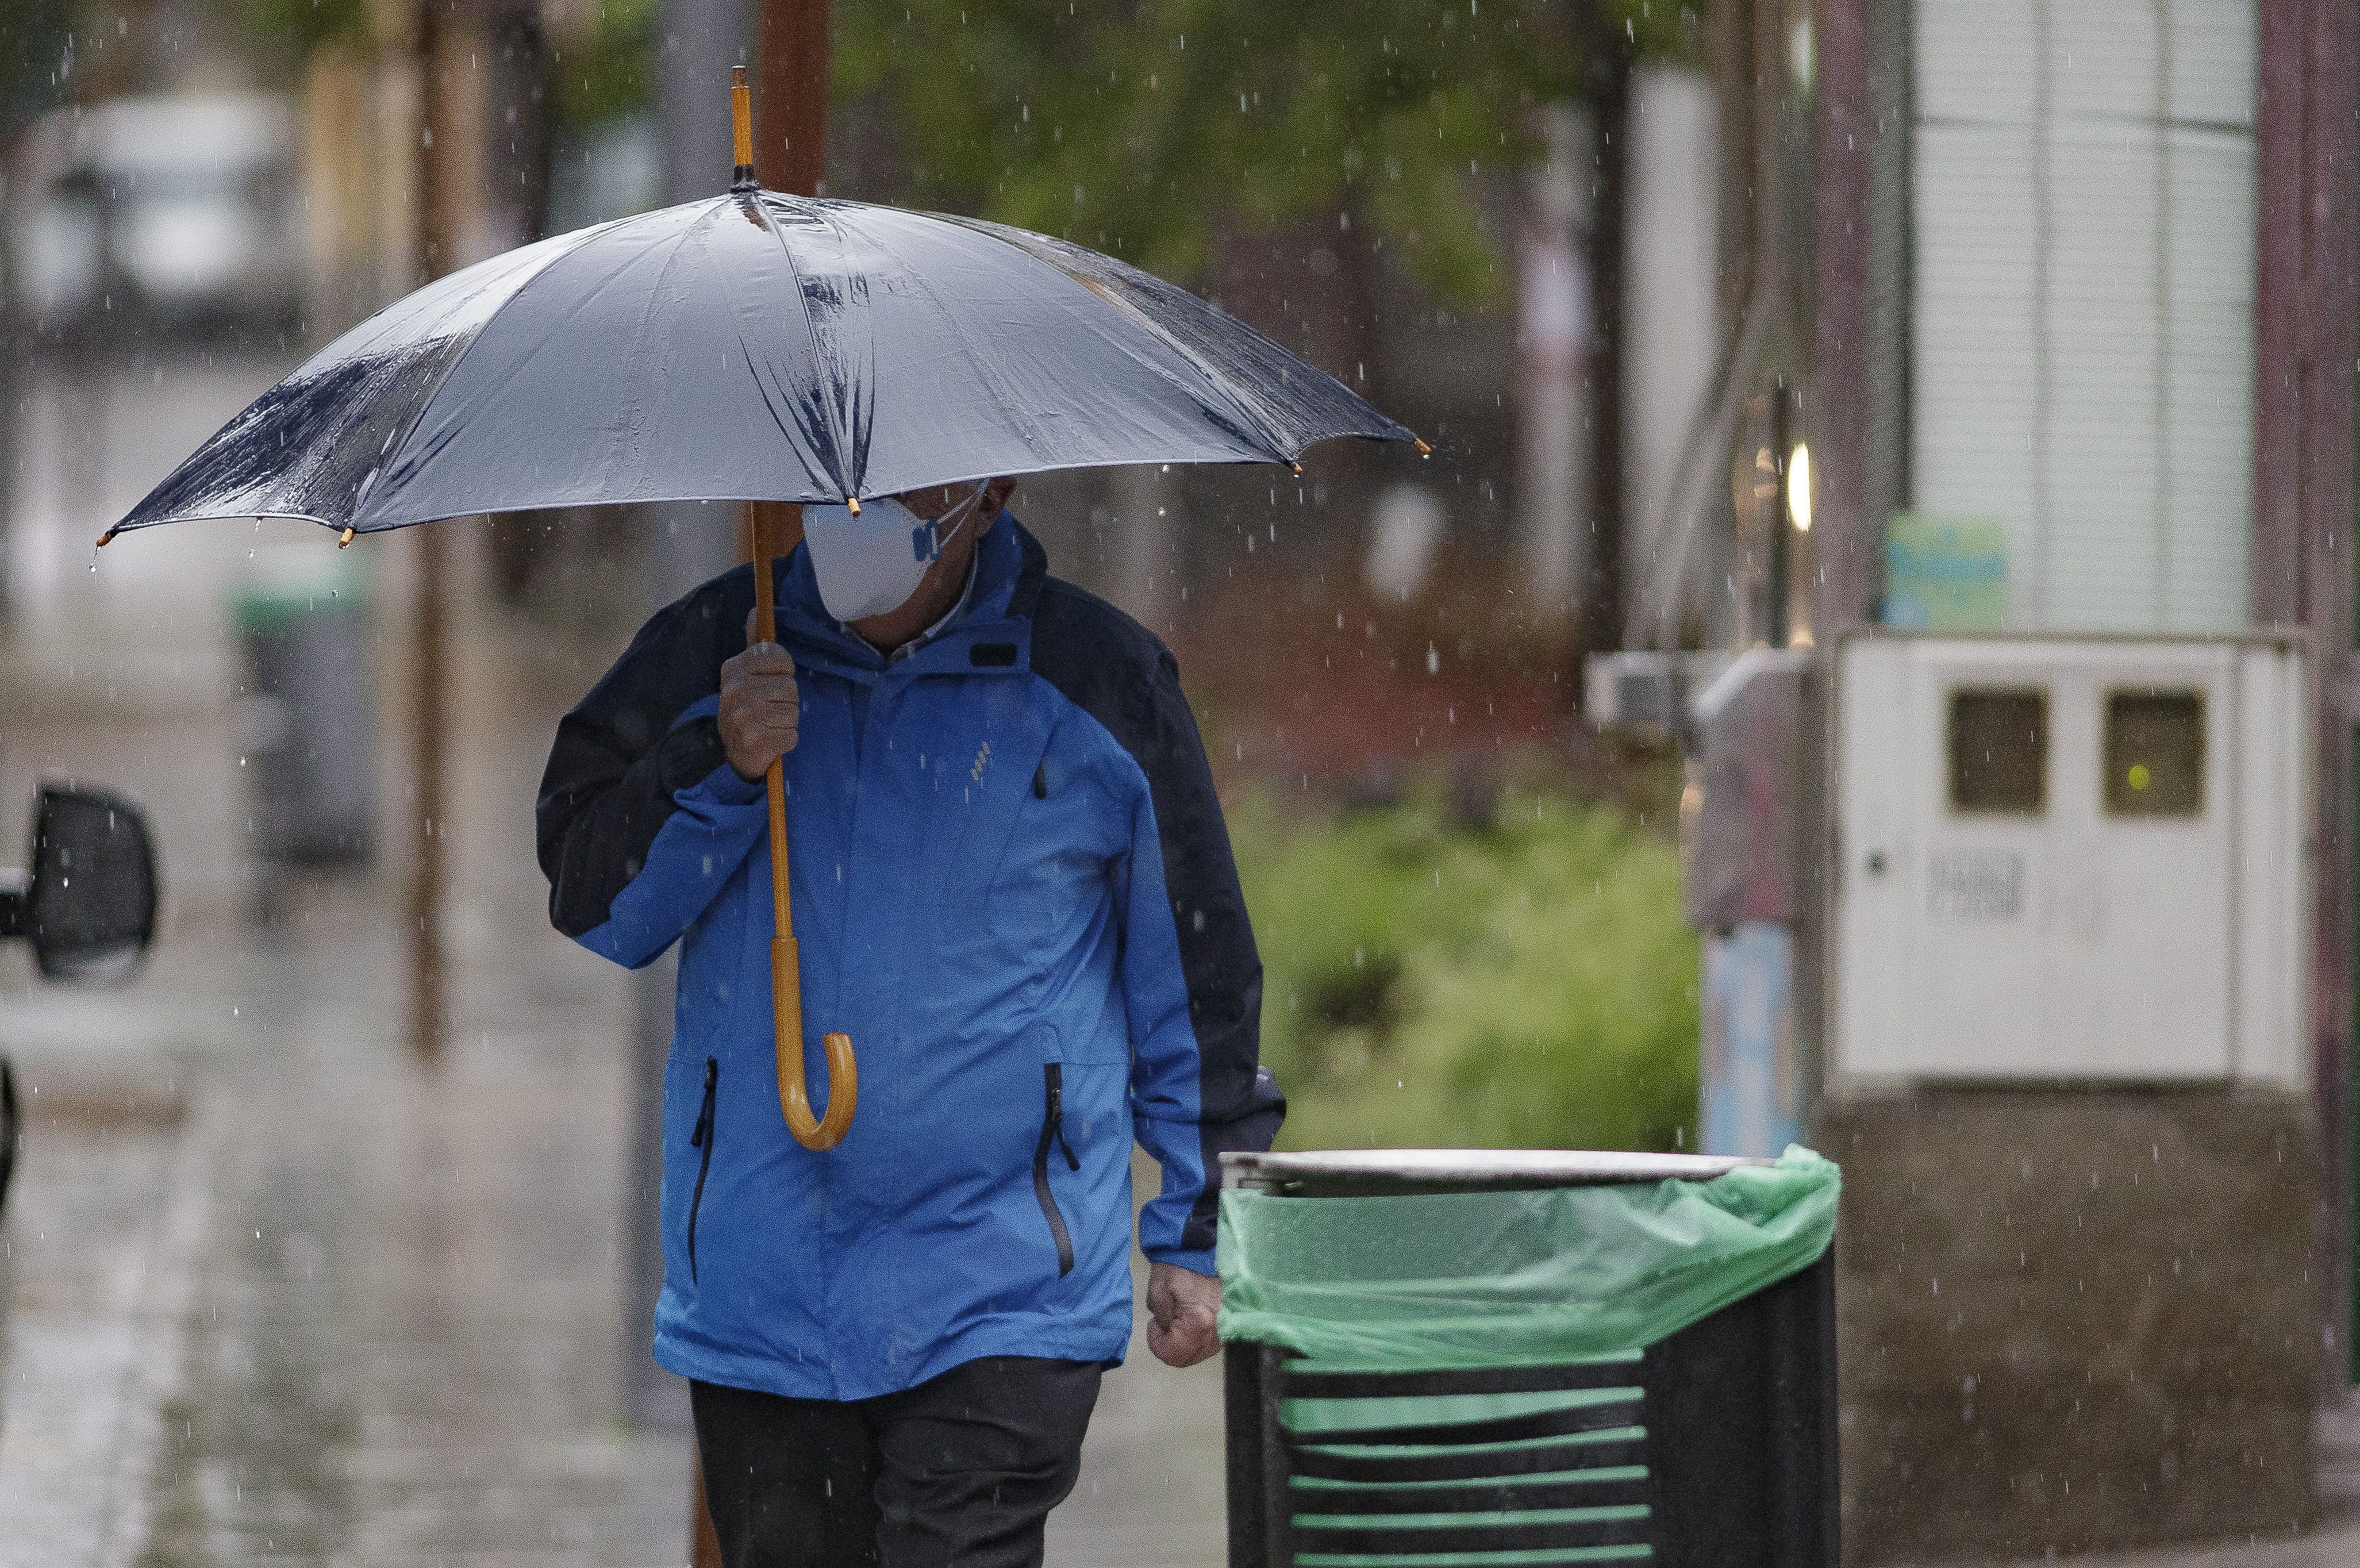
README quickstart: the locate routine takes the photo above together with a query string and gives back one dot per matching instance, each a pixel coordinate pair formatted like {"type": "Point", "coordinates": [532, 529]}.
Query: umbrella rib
{"type": "Point", "coordinates": [1222, 384]}
{"type": "Point", "coordinates": [837, 438]}
{"type": "Point", "coordinates": [778, 420]}
{"type": "Point", "coordinates": [516, 368]}
{"type": "Point", "coordinates": [396, 447]}
{"type": "Point", "coordinates": [1035, 437]}
{"type": "Point", "coordinates": [648, 305]}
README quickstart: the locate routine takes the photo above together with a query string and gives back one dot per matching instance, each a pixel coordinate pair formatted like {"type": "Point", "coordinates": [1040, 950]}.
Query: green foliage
{"type": "Point", "coordinates": [608, 70]}
{"type": "Point", "coordinates": [1528, 985]}
{"type": "Point", "coordinates": [297, 27]}
{"type": "Point", "coordinates": [1149, 130]}
{"type": "Point", "coordinates": [600, 67]}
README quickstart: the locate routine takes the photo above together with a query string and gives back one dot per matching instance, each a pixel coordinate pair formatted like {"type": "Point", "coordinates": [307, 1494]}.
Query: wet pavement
{"type": "Point", "coordinates": [341, 1307]}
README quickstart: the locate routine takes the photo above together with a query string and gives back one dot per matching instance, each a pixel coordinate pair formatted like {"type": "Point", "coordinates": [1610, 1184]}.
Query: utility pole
{"type": "Point", "coordinates": [790, 59]}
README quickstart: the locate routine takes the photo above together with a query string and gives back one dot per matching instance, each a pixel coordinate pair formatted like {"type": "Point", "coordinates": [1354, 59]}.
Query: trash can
{"type": "Point", "coordinates": [1486, 1357]}
{"type": "Point", "coordinates": [308, 739]}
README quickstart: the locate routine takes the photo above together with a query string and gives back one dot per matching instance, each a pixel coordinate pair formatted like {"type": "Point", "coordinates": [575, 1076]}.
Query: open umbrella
{"type": "Point", "coordinates": [757, 347]}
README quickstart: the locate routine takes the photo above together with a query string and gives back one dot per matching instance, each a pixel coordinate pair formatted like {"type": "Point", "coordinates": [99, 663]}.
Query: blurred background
{"type": "Point", "coordinates": [1739, 329]}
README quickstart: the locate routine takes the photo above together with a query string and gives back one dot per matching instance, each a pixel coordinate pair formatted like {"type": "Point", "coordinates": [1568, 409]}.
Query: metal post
{"type": "Point", "coordinates": [15, 352]}
{"type": "Point", "coordinates": [1602, 609]}
{"type": "Point", "coordinates": [430, 614]}
{"type": "Point", "coordinates": [1847, 543]}
{"type": "Point", "coordinates": [2306, 247]}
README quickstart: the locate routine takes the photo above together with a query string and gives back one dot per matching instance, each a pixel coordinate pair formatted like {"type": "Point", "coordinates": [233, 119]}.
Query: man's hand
{"type": "Point", "coordinates": [1183, 1310]}
{"type": "Point", "coordinates": [758, 709]}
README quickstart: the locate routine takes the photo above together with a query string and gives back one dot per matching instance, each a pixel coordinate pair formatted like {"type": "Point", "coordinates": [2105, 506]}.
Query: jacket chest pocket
{"type": "Point", "coordinates": [1054, 873]}
{"type": "Point", "coordinates": [961, 753]}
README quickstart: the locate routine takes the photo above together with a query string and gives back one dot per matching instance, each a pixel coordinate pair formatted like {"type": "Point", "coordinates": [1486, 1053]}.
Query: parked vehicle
{"type": "Point", "coordinates": [179, 209]}
{"type": "Point", "coordinates": [87, 906]}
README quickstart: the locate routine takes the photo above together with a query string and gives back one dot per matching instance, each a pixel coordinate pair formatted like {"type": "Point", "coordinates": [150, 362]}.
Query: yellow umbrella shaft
{"type": "Point", "coordinates": [786, 968]}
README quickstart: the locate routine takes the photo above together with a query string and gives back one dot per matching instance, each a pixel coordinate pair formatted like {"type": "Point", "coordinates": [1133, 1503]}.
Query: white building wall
{"type": "Point", "coordinates": [2081, 313]}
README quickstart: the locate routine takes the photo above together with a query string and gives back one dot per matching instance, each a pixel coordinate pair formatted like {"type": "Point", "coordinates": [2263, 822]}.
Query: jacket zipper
{"type": "Point", "coordinates": [702, 1138]}
{"type": "Point", "coordinates": [1053, 1129]}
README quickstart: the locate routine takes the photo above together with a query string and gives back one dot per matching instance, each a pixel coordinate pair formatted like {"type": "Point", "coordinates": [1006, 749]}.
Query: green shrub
{"type": "Point", "coordinates": [1525, 984]}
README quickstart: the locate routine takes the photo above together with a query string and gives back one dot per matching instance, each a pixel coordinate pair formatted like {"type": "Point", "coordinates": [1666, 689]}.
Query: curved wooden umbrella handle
{"type": "Point", "coordinates": [786, 968]}
{"type": "Point", "coordinates": [843, 1072]}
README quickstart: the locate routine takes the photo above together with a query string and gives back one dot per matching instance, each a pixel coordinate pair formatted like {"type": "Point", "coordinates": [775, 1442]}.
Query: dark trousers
{"type": "Point", "coordinates": [959, 1472]}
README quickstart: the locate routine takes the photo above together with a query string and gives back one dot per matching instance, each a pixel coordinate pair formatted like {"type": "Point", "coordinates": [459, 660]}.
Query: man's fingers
{"type": "Point", "coordinates": [764, 661]}
{"type": "Point", "coordinates": [1184, 1345]}
{"type": "Point", "coordinates": [767, 706]}
{"type": "Point", "coordinates": [760, 708]}
{"type": "Point", "coordinates": [1183, 1316]}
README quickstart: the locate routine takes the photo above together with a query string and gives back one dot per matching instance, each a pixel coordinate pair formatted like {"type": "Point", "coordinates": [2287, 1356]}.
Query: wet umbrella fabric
{"type": "Point", "coordinates": [756, 346]}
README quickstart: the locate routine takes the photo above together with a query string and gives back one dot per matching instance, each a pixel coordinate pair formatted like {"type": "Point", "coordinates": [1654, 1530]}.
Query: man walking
{"type": "Point", "coordinates": [1013, 889]}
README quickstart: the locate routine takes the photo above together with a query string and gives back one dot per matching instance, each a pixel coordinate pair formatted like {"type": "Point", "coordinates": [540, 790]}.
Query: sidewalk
{"type": "Point", "coordinates": [321, 1304]}
{"type": "Point", "coordinates": [2334, 1545]}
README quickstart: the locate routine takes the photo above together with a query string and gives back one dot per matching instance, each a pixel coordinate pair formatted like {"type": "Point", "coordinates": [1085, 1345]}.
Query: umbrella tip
{"type": "Point", "coordinates": [104, 537]}
{"type": "Point", "coordinates": [1422, 449]}
{"type": "Point", "coordinates": [1298, 470]}
{"type": "Point", "coordinates": [741, 126]}
{"type": "Point", "coordinates": [852, 504]}
{"type": "Point", "coordinates": [345, 537]}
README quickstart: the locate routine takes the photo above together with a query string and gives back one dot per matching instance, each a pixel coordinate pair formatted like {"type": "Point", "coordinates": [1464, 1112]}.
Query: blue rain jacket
{"type": "Point", "coordinates": [1012, 888]}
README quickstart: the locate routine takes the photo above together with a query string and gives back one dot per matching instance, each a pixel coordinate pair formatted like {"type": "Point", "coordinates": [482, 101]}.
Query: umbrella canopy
{"type": "Point", "coordinates": [756, 346]}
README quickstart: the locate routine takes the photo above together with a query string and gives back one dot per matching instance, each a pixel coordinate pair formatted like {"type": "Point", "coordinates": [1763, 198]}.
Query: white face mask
{"type": "Point", "coordinates": [871, 564]}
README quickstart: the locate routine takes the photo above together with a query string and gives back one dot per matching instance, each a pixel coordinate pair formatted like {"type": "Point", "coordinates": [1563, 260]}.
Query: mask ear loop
{"type": "Point", "coordinates": [935, 527]}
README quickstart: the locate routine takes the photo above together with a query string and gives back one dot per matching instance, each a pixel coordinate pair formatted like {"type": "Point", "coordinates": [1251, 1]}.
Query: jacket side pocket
{"type": "Point", "coordinates": [702, 1138]}
{"type": "Point", "coordinates": [1052, 1130]}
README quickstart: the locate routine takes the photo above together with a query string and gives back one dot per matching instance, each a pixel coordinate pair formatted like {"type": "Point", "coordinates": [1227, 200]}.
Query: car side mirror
{"type": "Point", "coordinates": [88, 905]}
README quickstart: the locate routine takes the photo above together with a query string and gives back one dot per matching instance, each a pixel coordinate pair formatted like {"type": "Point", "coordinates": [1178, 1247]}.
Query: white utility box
{"type": "Point", "coordinates": [2069, 858]}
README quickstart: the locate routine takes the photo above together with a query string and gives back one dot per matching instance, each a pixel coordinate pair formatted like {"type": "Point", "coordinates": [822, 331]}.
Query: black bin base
{"type": "Point", "coordinates": [1713, 1448]}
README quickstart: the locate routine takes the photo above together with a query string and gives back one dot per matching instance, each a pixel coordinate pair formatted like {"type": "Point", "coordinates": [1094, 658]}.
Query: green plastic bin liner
{"type": "Point", "coordinates": [1494, 1279]}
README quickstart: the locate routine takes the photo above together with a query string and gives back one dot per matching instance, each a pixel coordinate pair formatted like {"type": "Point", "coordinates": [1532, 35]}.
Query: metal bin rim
{"type": "Point", "coordinates": [1327, 1172]}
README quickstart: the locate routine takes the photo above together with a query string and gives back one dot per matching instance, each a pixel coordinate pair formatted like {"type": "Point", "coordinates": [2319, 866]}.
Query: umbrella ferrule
{"type": "Point", "coordinates": [741, 127]}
